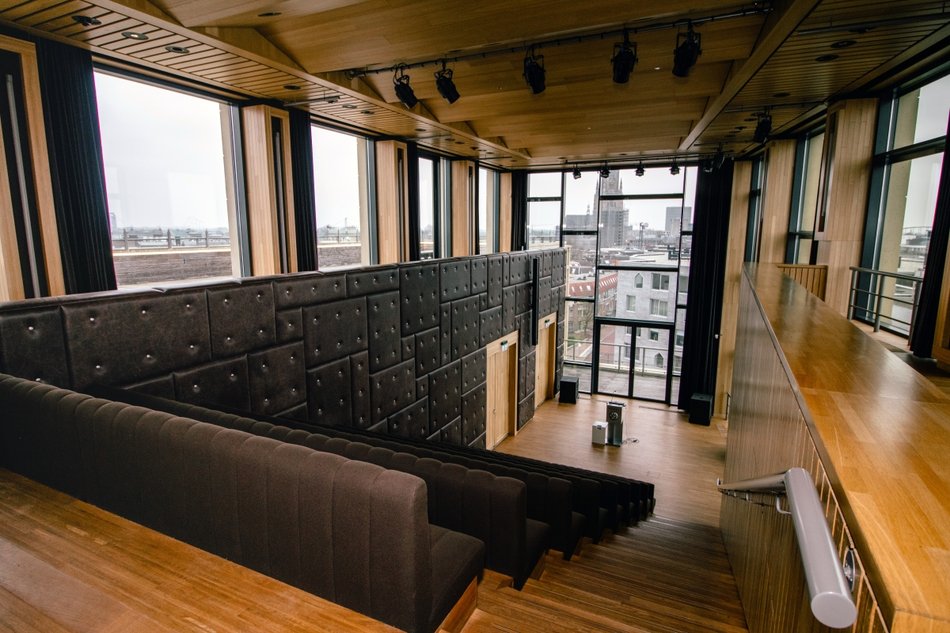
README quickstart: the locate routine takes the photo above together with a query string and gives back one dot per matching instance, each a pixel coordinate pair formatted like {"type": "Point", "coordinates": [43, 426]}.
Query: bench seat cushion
{"type": "Point", "coordinates": [456, 559]}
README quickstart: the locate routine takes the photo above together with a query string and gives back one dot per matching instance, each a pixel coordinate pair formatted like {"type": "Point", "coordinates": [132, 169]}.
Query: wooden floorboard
{"type": "Point", "coordinates": [669, 574]}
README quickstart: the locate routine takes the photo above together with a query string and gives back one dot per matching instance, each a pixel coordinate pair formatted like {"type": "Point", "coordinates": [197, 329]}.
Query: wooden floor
{"type": "Point", "coordinates": [669, 573]}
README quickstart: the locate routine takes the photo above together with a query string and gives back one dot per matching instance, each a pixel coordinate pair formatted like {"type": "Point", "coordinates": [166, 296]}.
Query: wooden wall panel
{"type": "Point", "coordinates": [941, 346]}
{"type": "Point", "coordinates": [392, 202]}
{"type": "Point", "coordinates": [839, 244]}
{"type": "Point", "coordinates": [739, 210]}
{"type": "Point", "coordinates": [778, 201]}
{"type": "Point", "coordinates": [814, 278]}
{"type": "Point", "coordinates": [463, 207]}
{"type": "Point", "coordinates": [504, 212]}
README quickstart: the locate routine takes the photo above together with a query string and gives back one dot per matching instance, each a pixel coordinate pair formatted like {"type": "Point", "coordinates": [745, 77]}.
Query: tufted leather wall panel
{"type": "Point", "coordinates": [473, 414]}
{"type": "Point", "coordinates": [465, 318]}
{"type": "Point", "coordinates": [289, 325]}
{"type": "Point", "coordinates": [428, 356]}
{"type": "Point", "coordinates": [308, 289]}
{"type": "Point", "coordinates": [334, 330]}
{"type": "Point", "coordinates": [359, 390]}
{"type": "Point", "coordinates": [524, 298]}
{"type": "Point", "coordinates": [391, 390]}
{"type": "Point", "coordinates": [545, 303]}
{"type": "Point", "coordinates": [509, 311]}
{"type": "Point", "coordinates": [519, 270]}
{"type": "Point", "coordinates": [496, 279]}
{"type": "Point", "coordinates": [422, 387]}
{"type": "Point", "coordinates": [241, 319]}
{"type": "Point", "coordinates": [483, 301]}
{"type": "Point", "coordinates": [456, 279]}
{"type": "Point", "coordinates": [130, 339]}
{"type": "Point", "coordinates": [473, 370]}
{"type": "Point", "coordinates": [372, 280]}
{"type": "Point", "coordinates": [413, 421]}
{"type": "Point", "coordinates": [408, 345]}
{"type": "Point", "coordinates": [479, 270]}
{"type": "Point", "coordinates": [445, 395]}
{"type": "Point", "coordinates": [385, 344]}
{"type": "Point", "coordinates": [547, 262]}
{"type": "Point", "coordinates": [479, 442]}
{"type": "Point", "coordinates": [277, 378]}
{"type": "Point", "coordinates": [218, 383]}
{"type": "Point", "coordinates": [329, 393]}
{"type": "Point", "coordinates": [163, 387]}
{"type": "Point", "coordinates": [419, 287]}
{"type": "Point", "coordinates": [32, 346]}
{"type": "Point", "coordinates": [298, 412]}
{"type": "Point", "coordinates": [526, 410]}
{"type": "Point", "coordinates": [558, 266]}
{"type": "Point", "coordinates": [445, 332]}
{"type": "Point", "coordinates": [490, 327]}
{"type": "Point", "coordinates": [526, 375]}
{"type": "Point", "coordinates": [451, 433]}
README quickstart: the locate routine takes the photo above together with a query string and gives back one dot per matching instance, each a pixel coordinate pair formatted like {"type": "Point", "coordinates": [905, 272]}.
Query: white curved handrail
{"type": "Point", "coordinates": [831, 601]}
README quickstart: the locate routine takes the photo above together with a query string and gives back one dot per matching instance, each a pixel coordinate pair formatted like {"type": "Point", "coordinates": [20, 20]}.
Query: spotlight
{"type": "Point", "coordinates": [674, 168]}
{"type": "Point", "coordinates": [605, 171]}
{"type": "Point", "coordinates": [708, 166]}
{"type": "Point", "coordinates": [687, 51]}
{"type": "Point", "coordinates": [403, 89]}
{"type": "Point", "coordinates": [577, 173]}
{"type": "Point", "coordinates": [763, 128]}
{"type": "Point", "coordinates": [534, 71]}
{"type": "Point", "coordinates": [443, 81]}
{"type": "Point", "coordinates": [624, 59]}
{"type": "Point", "coordinates": [640, 170]}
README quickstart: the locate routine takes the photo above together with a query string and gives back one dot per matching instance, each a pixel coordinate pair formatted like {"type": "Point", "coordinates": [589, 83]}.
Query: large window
{"type": "Point", "coordinates": [341, 189]}
{"type": "Point", "coordinates": [544, 210]}
{"type": "Point", "coordinates": [428, 207]}
{"type": "Point", "coordinates": [801, 228]}
{"type": "Point", "coordinates": [488, 207]}
{"type": "Point", "coordinates": [169, 182]}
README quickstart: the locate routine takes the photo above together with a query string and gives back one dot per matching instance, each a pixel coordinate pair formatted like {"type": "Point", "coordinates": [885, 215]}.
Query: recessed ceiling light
{"type": "Point", "coordinates": [87, 20]}
{"type": "Point", "coordinates": [291, 87]}
{"type": "Point", "coordinates": [843, 43]}
{"type": "Point", "coordinates": [268, 14]}
{"type": "Point", "coordinates": [474, 148]}
{"type": "Point", "coordinates": [348, 106]}
{"type": "Point", "coordinates": [460, 142]}
{"type": "Point", "coordinates": [181, 50]}
{"type": "Point", "coordinates": [826, 58]}
{"type": "Point", "coordinates": [367, 112]}
{"type": "Point", "coordinates": [132, 35]}
{"type": "Point", "coordinates": [420, 129]}
{"type": "Point", "coordinates": [782, 95]}
{"type": "Point", "coordinates": [656, 68]}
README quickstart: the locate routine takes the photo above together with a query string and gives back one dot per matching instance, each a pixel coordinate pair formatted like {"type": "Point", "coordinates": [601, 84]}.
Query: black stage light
{"type": "Point", "coordinates": [604, 172]}
{"type": "Point", "coordinates": [708, 166]}
{"type": "Point", "coordinates": [763, 128]}
{"type": "Point", "coordinates": [404, 90]}
{"type": "Point", "coordinates": [687, 51]}
{"type": "Point", "coordinates": [577, 173]}
{"type": "Point", "coordinates": [640, 170]}
{"type": "Point", "coordinates": [624, 59]}
{"type": "Point", "coordinates": [534, 72]}
{"type": "Point", "coordinates": [445, 85]}
{"type": "Point", "coordinates": [674, 168]}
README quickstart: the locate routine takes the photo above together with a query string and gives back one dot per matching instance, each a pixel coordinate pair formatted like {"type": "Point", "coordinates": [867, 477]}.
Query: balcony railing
{"type": "Point", "coordinates": [884, 299]}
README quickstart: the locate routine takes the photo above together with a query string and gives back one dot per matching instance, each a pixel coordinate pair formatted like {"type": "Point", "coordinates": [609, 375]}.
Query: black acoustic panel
{"type": "Point", "coordinates": [526, 410]}
{"type": "Point", "coordinates": [295, 413]}
{"type": "Point", "coordinates": [435, 437]}
{"type": "Point", "coordinates": [526, 375]}
{"type": "Point", "coordinates": [490, 326]}
{"type": "Point", "coordinates": [545, 303]}
{"type": "Point", "coordinates": [520, 268]}
{"type": "Point", "coordinates": [509, 309]}
{"type": "Point", "coordinates": [408, 345]}
{"type": "Point", "coordinates": [428, 355]}
{"type": "Point", "coordinates": [451, 433]}
{"type": "Point", "coordinates": [479, 442]}
{"type": "Point", "coordinates": [445, 333]}
{"type": "Point", "coordinates": [118, 341]}
{"type": "Point", "coordinates": [422, 387]}
{"type": "Point", "coordinates": [559, 356]}
{"type": "Point", "coordinates": [473, 370]}
{"type": "Point", "coordinates": [371, 281]}
{"type": "Point", "coordinates": [419, 288]}
{"type": "Point", "coordinates": [474, 413]}
{"type": "Point", "coordinates": [329, 393]}
{"type": "Point", "coordinates": [242, 319]}
{"type": "Point", "coordinates": [524, 337]}
{"type": "Point", "coordinates": [359, 391]}
{"type": "Point", "coordinates": [483, 301]}
{"type": "Point", "coordinates": [308, 289]}
{"type": "Point", "coordinates": [456, 279]}
{"type": "Point", "coordinates": [32, 346]}
{"type": "Point", "coordinates": [558, 266]}
{"type": "Point", "coordinates": [496, 279]}
{"type": "Point", "coordinates": [506, 269]}
{"type": "Point", "coordinates": [445, 395]}
{"type": "Point", "coordinates": [289, 325]}
{"type": "Point", "coordinates": [547, 261]}
{"type": "Point", "coordinates": [277, 379]}
{"type": "Point", "coordinates": [220, 383]}
{"type": "Point", "coordinates": [479, 269]}
{"type": "Point", "coordinates": [335, 330]}
{"type": "Point", "coordinates": [385, 343]}
{"type": "Point", "coordinates": [524, 299]}
{"type": "Point", "coordinates": [391, 390]}
{"type": "Point", "coordinates": [161, 387]}
{"type": "Point", "coordinates": [413, 421]}
{"type": "Point", "coordinates": [465, 322]}
{"type": "Point", "coordinates": [380, 427]}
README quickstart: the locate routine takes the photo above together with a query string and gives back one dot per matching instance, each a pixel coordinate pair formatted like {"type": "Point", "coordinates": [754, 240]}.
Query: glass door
{"type": "Point", "coordinates": [632, 361]}
{"type": "Point", "coordinates": [614, 352]}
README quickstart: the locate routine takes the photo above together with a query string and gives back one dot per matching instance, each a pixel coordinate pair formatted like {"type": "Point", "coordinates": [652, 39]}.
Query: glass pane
{"type": "Point", "coordinates": [544, 185]}
{"type": "Point", "coordinates": [581, 253]}
{"type": "Point", "coordinates": [339, 176]}
{"type": "Point", "coordinates": [636, 232]}
{"type": "Point", "coordinates": [582, 373]}
{"type": "Point", "coordinates": [650, 363]}
{"type": "Point", "coordinates": [812, 176]}
{"type": "Point", "coordinates": [613, 371]}
{"type": "Point", "coordinates": [922, 114]}
{"type": "Point", "coordinates": [579, 341]}
{"type": "Point", "coordinates": [634, 294]}
{"type": "Point", "coordinates": [580, 202]}
{"type": "Point", "coordinates": [169, 204]}
{"type": "Point", "coordinates": [426, 208]}
{"type": "Point", "coordinates": [544, 225]}
{"type": "Point", "coordinates": [653, 180]}
{"type": "Point", "coordinates": [689, 198]}
{"type": "Point", "coordinates": [677, 366]}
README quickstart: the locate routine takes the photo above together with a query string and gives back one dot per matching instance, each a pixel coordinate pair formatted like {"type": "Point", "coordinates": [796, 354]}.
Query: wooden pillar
{"type": "Point", "coordinates": [270, 200]}
{"type": "Point", "coordinates": [392, 202]}
{"type": "Point", "coordinates": [504, 212]}
{"type": "Point", "coordinates": [777, 201]}
{"type": "Point", "coordinates": [738, 212]}
{"type": "Point", "coordinates": [463, 208]}
{"type": "Point", "coordinates": [849, 140]}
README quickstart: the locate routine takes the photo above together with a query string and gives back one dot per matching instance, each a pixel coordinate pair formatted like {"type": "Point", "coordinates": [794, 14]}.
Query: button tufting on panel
{"type": "Point", "coordinates": [148, 356]}
{"type": "Point", "coordinates": [227, 301]}
{"type": "Point", "coordinates": [30, 328]}
{"type": "Point", "coordinates": [195, 388]}
{"type": "Point", "coordinates": [144, 311]}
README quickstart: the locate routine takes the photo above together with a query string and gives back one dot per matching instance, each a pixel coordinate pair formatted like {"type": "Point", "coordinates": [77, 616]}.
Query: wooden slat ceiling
{"type": "Point", "coordinates": [303, 53]}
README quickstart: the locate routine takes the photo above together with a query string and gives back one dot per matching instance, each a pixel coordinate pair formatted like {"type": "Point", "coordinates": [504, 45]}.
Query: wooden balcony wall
{"type": "Point", "coordinates": [813, 277]}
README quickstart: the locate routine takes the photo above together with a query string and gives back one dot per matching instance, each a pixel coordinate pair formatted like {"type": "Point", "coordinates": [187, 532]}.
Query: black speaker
{"type": "Point", "coordinates": [569, 389]}
{"type": "Point", "coordinates": [615, 423]}
{"type": "Point", "coordinates": [700, 408]}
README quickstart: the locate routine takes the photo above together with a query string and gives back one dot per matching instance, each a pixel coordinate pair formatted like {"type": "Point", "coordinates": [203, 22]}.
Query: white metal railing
{"type": "Point", "coordinates": [828, 588]}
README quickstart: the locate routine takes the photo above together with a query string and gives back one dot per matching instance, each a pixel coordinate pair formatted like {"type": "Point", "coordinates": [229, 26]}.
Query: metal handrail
{"type": "Point", "coordinates": [830, 592]}
{"type": "Point", "coordinates": [876, 297]}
